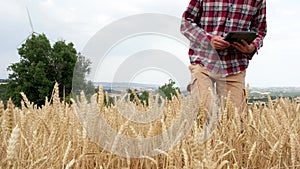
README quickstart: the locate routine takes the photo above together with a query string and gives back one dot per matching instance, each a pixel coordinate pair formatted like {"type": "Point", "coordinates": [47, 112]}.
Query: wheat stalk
{"type": "Point", "coordinates": [8, 118]}
{"type": "Point", "coordinates": [101, 98]}
{"type": "Point", "coordinates": [293, 149]}
{"type": "Point", "coordinates": [185, 159]}
{"type": "Point", "coordinates": [251, 153]}
{"type": "Point", "coordinates": [67, 153]}
{"type": "Point", "coordinates": [1, 115]}
{"type": "Point", "coordinates": [13, 146]}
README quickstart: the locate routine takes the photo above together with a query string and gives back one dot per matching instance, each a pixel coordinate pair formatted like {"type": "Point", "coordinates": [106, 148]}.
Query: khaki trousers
{"type": "Point", "coordinates": [219, 85]}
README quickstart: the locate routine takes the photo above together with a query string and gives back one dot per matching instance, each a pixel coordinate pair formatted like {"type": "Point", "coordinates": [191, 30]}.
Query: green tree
{"type": "Point", "coordinates": [3, 88]}
{"type": "Point", "coordinates": [29, 75]}
{"type": "Point", "coordinates": [79, 83]}
{"type": "Point", "coordinates": [40, 66]}
{"type": "Point", "coordinates": [61, 66]}
{"type": "Point", "coordinates": [142, 96]}
{"type": "Point", "coordinates": [168, 89]}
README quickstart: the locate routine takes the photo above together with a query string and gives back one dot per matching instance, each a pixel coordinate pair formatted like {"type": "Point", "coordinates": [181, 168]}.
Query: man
{"type": "Point", "coordinates": [215, 63]}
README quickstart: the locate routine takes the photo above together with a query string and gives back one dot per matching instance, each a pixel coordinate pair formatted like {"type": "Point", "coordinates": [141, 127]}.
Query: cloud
{"type": "Point", "coordinates": [77, 21]}
{"type": "Point", "coordinates": [12, 10]}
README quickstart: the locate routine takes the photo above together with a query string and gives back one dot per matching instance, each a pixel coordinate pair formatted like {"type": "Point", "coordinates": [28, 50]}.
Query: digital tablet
{"type": "Point", "coordinates": [237, 36]}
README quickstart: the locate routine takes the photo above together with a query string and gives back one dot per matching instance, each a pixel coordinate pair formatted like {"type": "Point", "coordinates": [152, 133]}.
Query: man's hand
{"type": "Point", "coordinates": [244, 47]}
{"type": "Point", "coordinates": [218, 42]}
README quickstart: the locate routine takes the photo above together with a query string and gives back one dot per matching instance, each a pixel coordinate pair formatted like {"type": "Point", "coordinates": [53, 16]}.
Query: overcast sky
{"type": "Point", "coordinates": [77, 21]}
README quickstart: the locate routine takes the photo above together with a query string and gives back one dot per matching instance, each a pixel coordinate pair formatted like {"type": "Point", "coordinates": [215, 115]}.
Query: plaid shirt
{"type": "Point", "coordinates": [206, 18]}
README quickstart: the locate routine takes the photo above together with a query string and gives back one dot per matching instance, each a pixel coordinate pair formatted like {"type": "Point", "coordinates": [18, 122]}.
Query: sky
{"type": "Point", "coordinates": [276, 65]}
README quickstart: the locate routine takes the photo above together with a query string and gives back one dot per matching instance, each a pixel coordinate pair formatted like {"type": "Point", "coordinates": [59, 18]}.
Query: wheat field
{"type": "Point", "coordinates": [53, 137]}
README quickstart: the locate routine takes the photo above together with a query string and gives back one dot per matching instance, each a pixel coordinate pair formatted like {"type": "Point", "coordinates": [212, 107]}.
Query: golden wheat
{"type": "Point", "coordinates": [53, 136]}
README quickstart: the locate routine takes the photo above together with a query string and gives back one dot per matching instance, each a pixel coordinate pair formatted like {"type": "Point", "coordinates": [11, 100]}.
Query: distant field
{"type": "Point", "coordinates": [261, 94]}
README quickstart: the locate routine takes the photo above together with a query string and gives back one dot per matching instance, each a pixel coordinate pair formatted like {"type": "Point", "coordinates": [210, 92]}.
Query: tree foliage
{"type": "Point", "coordinates": [40, 66]}
{"type": "Point", "coordinates": [168, 89]}
{"type": "Point", "coordinates": [143, 96]}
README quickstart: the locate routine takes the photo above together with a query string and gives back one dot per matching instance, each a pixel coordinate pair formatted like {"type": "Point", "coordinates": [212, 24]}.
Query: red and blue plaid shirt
{"type": "Point", "coordinates": [206, 18]}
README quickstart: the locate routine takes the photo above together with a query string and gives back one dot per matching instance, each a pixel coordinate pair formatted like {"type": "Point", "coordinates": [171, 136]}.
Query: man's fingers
{"type": "Point", "coordinates": [218, 42]}
{"type": "Point", "coordinates": [238, 46]}
{"type": "Point", "coordinates": [222, 41]}
{"type": "Point", "coordinates": [244, 47]}
{"type": "Point", "coordinates": [244, 42]}
{"type": "Point", "coordinates": [220, 45]}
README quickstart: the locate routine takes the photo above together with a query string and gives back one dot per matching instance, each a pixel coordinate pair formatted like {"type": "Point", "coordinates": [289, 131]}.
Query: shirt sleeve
{"type": "Point", "coordinates": [259, 24]}
{"type": "Point", "coordinates": [190, 23]}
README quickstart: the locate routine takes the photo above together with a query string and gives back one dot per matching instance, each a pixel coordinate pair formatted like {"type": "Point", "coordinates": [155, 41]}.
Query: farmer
{"type": "Point", "coordinates": [215, 63]}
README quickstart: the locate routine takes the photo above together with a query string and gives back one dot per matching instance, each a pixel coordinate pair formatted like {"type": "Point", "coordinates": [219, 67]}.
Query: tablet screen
{"type": "Point", "coordinates": [237, 36]}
